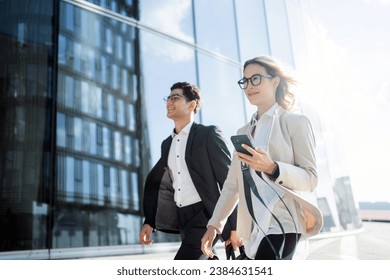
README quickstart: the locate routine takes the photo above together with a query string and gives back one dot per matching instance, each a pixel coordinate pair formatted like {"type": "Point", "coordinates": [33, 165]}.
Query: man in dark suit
{"type": "Point", "coordinates": [183, 187]}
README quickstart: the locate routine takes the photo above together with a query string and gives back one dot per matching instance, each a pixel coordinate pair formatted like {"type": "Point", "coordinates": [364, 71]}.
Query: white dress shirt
{"type": "Point", "coordinates": [185, 191]}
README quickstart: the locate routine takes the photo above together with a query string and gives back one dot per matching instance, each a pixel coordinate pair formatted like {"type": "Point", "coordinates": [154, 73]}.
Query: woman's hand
{"type": "Point", "coordinates": [207, 241]}
{"type": "Point", "coordinates": [259, 161]}
{"type": "Point", "coordinates": [234, 240]}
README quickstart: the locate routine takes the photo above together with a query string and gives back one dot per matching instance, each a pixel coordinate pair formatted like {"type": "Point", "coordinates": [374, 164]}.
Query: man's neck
{"type": "Point", "coordinates": [180, 124]}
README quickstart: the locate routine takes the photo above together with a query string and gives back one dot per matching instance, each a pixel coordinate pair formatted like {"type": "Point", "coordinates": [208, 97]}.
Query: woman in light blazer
{"type": "Point", "coordinates": [282, 166]}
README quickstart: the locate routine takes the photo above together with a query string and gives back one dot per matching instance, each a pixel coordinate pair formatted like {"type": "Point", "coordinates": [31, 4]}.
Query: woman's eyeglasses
{"type": "Point", "coordinates": [255, 80]}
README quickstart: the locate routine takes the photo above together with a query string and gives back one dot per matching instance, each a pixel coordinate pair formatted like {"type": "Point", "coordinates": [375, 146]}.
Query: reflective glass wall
{"type": "Point", "coordinates": [82, 115]}
{"type": "Point", "coordinates": [27, 122]}
{"type": "Point", "coordinates": [98, 130]}
{"type": "Point", "coordinates": [72, 143]}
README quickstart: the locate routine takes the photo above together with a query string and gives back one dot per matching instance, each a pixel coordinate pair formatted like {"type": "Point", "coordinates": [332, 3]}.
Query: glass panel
{"type": "Point", "coordinates": [279, 33]}
{"type": "Point", "coordinates": [100, 185]}
{"type": "Point", "coordinates": [126, 8]}
{"type": "Point", "coordinates": [92, 136]}
{"type": "Point", "coordinates": [106, 142]}
{"type": "Point", "coordinates": [86, 184]}
{"type": "Point", "coordinates": [221, 88]}
{"type": "Point", "coordinates": [26, 59]}
{"type": "Point", "coordinates": [173, 17]}
{"type": "Point", "coordinates": [215, 27]}
{"type": "Point", "coordinates": [127, 149]}
{"type": "Point", "coordinates": [78, 134]}
{"type": "Point", "coordinates": [298, 36]}
{"type": "Point", "coordinates": [252, 29]}
{"type": "Point", "coordinates": [120, 111]}
{"type": "Point", "coordinates": [61, 131]}
{"type": "Point", "coordinates": [118, 146]}
{"type": "Point", "coordinates": [125, 189]}
{"type": "Point", "coordinates": [134, 190]}
{"type": "Point", "coordinates": [95, 87]}
{"type": "Point", "coordinates": [164, 63]}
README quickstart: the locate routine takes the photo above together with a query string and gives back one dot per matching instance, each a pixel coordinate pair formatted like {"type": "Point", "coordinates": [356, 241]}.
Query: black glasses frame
{"type": "Point", "coordinates": [255, 80]}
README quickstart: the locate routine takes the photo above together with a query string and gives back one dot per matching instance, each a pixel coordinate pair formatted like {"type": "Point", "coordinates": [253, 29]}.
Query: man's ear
{"type": "Point", "coordinates": [193, 104]}
{"type": "Point", "coordinates": [197, 106]}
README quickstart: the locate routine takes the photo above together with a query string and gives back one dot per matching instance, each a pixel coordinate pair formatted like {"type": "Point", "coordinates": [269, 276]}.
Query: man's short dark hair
{"type": "Point", "coordinates": [190, 92]}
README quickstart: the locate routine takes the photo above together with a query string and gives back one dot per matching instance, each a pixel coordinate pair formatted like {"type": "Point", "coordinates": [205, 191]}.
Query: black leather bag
{"type": "Point", "coordinates": [231, 255]}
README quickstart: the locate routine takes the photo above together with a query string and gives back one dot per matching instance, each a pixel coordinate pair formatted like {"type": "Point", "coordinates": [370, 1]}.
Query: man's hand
{"type": "Point", "coordinates": [207, 241]}
{"type": "Point", "coordinates": [145, 234]}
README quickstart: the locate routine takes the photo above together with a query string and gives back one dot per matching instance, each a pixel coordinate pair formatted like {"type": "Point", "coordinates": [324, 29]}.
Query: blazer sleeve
{"type": "Point", "coordinates": [302, 174]}
{"type": "Point", "coordinates": [226, 207]}
{"type": "Point", "coordinates": [220, 159]}
{"type": "Point", "coordinates": [219, 154]}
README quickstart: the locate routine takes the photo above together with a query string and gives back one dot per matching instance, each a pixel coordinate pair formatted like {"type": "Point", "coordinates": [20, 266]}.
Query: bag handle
{"type": "Point", "coordinates": [230, 252]}
{"type": "Point", "coordinates": [249, 185]}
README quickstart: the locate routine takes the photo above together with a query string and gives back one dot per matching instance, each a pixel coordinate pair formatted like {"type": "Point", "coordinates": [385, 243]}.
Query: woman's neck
{"type": "Point", "coordinates": [261, 109]}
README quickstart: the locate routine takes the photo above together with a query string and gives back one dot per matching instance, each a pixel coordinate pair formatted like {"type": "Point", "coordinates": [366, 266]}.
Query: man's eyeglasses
{"type": "Point", "coordinates": [255, 80]}
{"type": "Point", "coordinates": [173, 98]}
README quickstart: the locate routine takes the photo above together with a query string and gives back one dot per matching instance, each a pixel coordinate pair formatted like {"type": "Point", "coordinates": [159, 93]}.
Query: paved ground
{"type": "Point", "coordinates": [371, 243]}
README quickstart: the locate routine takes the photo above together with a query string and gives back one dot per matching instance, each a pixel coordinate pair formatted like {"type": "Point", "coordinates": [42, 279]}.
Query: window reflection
{"type": "Point", "coordinates": [252, 29]}
{"type": "Point", "coordinates": [212, 17]}
{"type": "Point", "coordinates": [279, 34]}
{"type": "Point", "coordinates": [221, 88]}
{"type": "Point", "coordinates": [61, 131]}
{"type": "Point", "coordinates": [96, 125]}
{"type": "Point", "coordinates": [173, 17]}
{"type": "Point", "coordinates": [120, 112]}
{"type": "Point", "coordinates": [118, 146]}
{"type": "Point", "coordinates": [175, 63]}
{"type": "Point", "coordinates": [68, 91]}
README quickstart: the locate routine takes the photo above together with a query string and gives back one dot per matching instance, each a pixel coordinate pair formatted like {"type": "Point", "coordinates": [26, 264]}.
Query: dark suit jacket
{"type": "Point", "coordinates": [208, 161]}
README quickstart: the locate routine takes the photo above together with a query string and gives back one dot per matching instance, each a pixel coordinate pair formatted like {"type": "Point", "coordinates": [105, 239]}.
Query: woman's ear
{"type": "Point", "coordinates": [276, 81]}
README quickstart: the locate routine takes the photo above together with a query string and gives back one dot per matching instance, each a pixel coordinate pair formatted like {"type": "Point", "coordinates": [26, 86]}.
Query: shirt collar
{"type": "Point", "coordinates": [268, 113]}
{"type": "Point", "coordinates": [185, 130]}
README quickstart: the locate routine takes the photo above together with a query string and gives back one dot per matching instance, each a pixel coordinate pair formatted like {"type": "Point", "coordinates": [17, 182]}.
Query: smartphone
{"type": "Point", "coordinates": [238, 140]}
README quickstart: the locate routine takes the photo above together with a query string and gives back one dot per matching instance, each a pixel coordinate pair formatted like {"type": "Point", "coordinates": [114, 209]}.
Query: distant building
{"type": "Point", "coordinates": [375, 211]}
{"type": "Point", "coordinates": [82, 116]}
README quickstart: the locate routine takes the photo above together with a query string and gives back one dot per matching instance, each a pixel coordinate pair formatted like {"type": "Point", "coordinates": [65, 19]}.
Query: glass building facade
{"type": "Point", "coordinates": [82, 116]}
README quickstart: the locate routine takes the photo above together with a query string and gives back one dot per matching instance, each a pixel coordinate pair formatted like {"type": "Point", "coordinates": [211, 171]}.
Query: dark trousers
{"type": "Point", "coordinates": [265, 252]}
{"type": "Point", "coordinates": [193, 220]}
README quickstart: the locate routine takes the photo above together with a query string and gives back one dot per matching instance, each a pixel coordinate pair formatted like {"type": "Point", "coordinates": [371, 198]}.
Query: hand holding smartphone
{"type": "Point", "coordinates": [238, 140]}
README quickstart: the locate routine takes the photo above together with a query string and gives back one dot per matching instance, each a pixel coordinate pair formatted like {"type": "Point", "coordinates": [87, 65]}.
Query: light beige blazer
{"type": "Point", "coordinates": [292, 146]}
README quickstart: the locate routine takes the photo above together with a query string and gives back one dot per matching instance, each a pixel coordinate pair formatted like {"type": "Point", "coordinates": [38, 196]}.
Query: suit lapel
{"type": "Point", "coordinates": [190, 141]}
{"type": "Point", "coordinates": [165, 150]}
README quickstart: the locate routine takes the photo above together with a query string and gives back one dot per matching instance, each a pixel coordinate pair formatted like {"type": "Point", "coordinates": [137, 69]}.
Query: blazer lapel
{"type": "Point", "coordinates": [190, 141]}
{"type": "Point", "coordinates": [165, 150]}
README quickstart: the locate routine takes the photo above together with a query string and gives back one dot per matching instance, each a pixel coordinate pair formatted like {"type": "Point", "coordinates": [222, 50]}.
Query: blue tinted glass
{"type": "Point", "coordinates": [252, 29]}
{"type": "Point", "coordinates": [221, 88]}
{"type": "Point", "coordinates": [215, 27]}
{"type": "Point", "coordinates": [278, 28]}
{"type": "Point", "coordinates": [173, 17]}
{"type": "Point", "coordinates": [61, 132]}
{"type": "Point", "coordinates": [165, 62]}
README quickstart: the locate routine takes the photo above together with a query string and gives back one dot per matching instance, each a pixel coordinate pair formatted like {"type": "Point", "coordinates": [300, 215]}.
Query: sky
{"type": "Point", "coordinates": [359, 33]}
